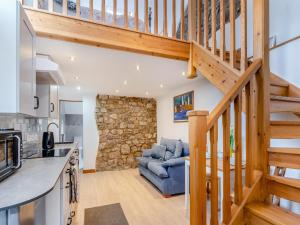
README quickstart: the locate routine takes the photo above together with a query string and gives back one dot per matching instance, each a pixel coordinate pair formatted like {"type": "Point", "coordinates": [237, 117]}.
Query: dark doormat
{"type": "Point", "coordinates": [105, 215]}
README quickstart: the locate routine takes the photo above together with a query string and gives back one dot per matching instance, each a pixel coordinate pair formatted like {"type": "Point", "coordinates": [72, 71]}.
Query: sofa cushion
{"type": "Point", "coordinates": [168, 155]}
{"type": "Point", "coordinates": [157, 169]}
{"type": "Point", "coordinates": [147, 152]}
{"type": "Point", "coordinates": [173, 162]}
{"type": "Point", "coordinates": [144, 161]}
{"type": "Point", "coordinates": [178, 149]}
{"type": "Point", "coordinates": [169, 143]}
{"type": "Point", "coordinates": [158, 151]}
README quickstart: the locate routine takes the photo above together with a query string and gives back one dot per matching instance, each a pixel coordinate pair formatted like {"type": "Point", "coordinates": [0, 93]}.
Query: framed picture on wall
{"type": "Point", "coordinates": [182, 105]}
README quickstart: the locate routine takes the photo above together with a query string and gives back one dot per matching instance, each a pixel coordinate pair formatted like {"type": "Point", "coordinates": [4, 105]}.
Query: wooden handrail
{"type": "Point", "coordinates": [236, 89]}
{"type": "Point", "coordinates": [285, 42]}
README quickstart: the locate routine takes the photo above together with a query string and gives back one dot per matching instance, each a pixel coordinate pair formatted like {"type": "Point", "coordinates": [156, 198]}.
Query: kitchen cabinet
{"type": "Point", "coordinates": [47, 101]}
{"type": "Point", "coordinates": [17, 57]}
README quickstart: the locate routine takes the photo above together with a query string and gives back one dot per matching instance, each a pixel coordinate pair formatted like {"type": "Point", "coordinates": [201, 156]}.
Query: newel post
{"type": "Point", "coordinates": [197, 145]}
{"type": "Point", "coordinates": [261, 50]}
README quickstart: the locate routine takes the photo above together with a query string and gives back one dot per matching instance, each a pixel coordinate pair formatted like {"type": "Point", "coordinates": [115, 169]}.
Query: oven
{"type": "Point", "coordinates": [10, 152]}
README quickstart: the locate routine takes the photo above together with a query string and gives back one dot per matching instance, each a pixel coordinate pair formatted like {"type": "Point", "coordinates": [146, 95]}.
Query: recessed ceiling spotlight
{"type": "Point", "coordinates": [138, 67]}
{"type": "Point", "coordinates": [76, 77]}
{"type": "Point", "coordinates": [183, 73]}
{"type": "Point", "coordinates": [125, 82]}
{"type": "Point", "coordinates": [147, 93]}
{"type": "Point", "coordinates": [161, 86]}
{"type": "Point", "coordinates": [72, 58]}
{"type": "Point", "coordinates": [78, 88]}
{"type": "Point", "coordinates": [117, 91]}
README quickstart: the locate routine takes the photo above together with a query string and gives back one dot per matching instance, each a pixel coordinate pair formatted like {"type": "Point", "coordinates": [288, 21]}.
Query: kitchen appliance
{"type": "Point", "coordinates": [47, 153]}
{"type": "Point", "coordinates": [10, 152]}
{"type": "Point", "coordinates": [48, 138]}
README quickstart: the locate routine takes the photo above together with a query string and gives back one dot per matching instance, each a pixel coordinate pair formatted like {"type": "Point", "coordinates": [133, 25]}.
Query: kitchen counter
{"type": "Point", "coordinates": [36, 178]}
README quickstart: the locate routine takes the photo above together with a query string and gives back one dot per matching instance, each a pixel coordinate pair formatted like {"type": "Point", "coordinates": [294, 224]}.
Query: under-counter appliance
{"type": "Point", "coordinates": [10, 152]}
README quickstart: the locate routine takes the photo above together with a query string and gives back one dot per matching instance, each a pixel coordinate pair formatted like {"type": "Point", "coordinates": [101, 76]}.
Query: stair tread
{"type": "Point", "coordinates": [285, 98]}
{"type": "Point", "coordinates": [273, 214]}
{"type": "Point", "coordinates": [276, 81]}
{"type": "Point", "coordinates": [285, 122]}
{"type": "Point", "coordinates": [292, 182]}
{"type": "Point", "coordinates": [295, 151]}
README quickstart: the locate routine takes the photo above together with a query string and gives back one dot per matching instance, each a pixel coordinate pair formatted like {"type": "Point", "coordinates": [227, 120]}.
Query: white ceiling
{"type": "Point", "coordinates": [103, 70]}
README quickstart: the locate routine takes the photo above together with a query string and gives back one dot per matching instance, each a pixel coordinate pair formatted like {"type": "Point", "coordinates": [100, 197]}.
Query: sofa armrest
{"type": "Point", "coordinates": [174, 162]}
{"type": "Point", "coordinates": [147, 152]}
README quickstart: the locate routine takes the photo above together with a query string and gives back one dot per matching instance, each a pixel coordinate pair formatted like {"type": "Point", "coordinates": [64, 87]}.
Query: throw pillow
{"type": "Point", "coordinates": [178, 149]}
{"type": "Point", "coordinates": [169, 143]}
{"type": "Point", "coordinates": [158, 151]}
{"type": "Point", "coordinates": [168, 155]}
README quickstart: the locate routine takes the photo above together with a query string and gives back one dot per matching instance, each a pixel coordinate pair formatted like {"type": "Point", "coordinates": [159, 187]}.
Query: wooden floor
{"type": "Point", "coordinates": [141, 202]}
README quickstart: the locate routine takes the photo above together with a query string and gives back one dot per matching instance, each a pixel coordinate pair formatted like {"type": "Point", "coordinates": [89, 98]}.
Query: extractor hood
{"type": "Point", "coordinates": [47, 71]}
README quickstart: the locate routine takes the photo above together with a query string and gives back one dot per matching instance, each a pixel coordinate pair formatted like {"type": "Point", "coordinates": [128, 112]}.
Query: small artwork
{"type": "Point", "coordinates": [182, 105]}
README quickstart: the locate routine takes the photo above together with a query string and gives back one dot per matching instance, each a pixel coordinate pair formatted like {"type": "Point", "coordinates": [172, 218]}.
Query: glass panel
{"type": "Point", "coordinates": [151, 15]}
{"type": "Point", "coordinates": [84, 9]}
{"type": "Point", "coordinates": [43, 4]}
{"type": "Point", "coordinates": [142, 16]}
{"type": "Point", "coordinates": [97, 10]}
{"type": "Point", "coordinates": [178, 18]}
{"type": "Point", "coordinates": [160, 17]}
{"type": "Point", "coordinates": [170, 17]}
{"type": "Point", "coordinates": [72, 7]}
{"type": "Point", "coordinates": [131, 13]}
{"type": "Point", "coordinates": [57, 6]}
{"type": "Point", "coordinates": [109, 11]}
{"type": "Point", "coordinates": [120, 12]}
{"type": "Point", "coordinates": [28, 2]}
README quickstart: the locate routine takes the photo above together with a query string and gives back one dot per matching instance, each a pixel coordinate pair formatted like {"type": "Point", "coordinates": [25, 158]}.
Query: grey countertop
{"type": "Point", "coordinates": [34, 179]}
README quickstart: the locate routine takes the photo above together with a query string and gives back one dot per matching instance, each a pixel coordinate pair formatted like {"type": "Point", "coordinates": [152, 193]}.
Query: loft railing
{"type": "Point", "coordinates": [207, 18]}
{"type": "Point", "coordinates": [165, 18]}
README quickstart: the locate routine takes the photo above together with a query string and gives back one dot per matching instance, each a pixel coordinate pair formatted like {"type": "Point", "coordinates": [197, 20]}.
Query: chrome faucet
{"type": "Point", "coordinates": [51, 124]}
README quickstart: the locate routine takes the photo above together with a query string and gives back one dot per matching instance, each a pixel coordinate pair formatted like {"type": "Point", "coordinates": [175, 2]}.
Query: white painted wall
{"type": "Point", "coordinates": [90, 132]}
{"type": "Point", "coordinates": [206, 98]}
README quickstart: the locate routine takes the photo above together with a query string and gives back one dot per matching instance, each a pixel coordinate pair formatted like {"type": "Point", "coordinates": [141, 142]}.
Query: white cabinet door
{"type": "Point", "coordinates": [27, 75]}
{"type": "Point", "coordinates": [43, 99]}
{"type": "Point", "coordinates": [54, 112]}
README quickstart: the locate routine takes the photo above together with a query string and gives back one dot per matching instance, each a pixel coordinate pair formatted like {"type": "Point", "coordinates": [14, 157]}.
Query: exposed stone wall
{"type": "Point", "coordinates": [126, 125]}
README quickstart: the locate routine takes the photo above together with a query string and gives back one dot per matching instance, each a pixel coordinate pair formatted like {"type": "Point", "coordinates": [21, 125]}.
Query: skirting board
{"type": "Point", "coordinates": [89, 171]}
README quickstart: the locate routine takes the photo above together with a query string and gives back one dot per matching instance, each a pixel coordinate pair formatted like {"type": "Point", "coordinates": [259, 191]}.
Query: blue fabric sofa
{"type": "Point", "coordinates": [167, 172]}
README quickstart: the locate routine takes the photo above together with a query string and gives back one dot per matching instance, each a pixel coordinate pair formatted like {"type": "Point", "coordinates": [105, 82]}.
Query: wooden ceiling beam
{"type": "Point", "coordinates": [81, 31]}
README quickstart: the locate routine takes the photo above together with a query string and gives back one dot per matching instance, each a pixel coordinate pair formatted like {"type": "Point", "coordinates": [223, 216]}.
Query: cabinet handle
{"type": "Point", "coordinates": [53, 107]}
{"type": "Point", "coordinates": [37, 102]}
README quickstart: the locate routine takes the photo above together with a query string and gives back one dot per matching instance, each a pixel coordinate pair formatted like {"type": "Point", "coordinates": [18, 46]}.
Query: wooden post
{"type": "Point", "coordinates": [238, 186]}
{"type": "Point", "coordinates": [213, 27]}
{"type": "Point", "coordinates": [174, 18]}
{"type": "Point", "coordinates": [232, 34]}
{"type": "Point", "coordinates": [114, 12]}
{"type": "Point", "coordinates": [261, 50]}
{"type": "Point", "coordinates": [146, 17]}
{"type": "Point", "coordinates": [192, 20]}
{"type": "Point", "coordinates": [197, 145]}
{"type": "Point", "coordinates": [103, 11]}
{"type": "Point", "coordinates": [214, 174]}
{"type": "Point", "coordinates": [244, 58]}
{"type": "Point", "coordinates": [199, 23]}
{"type": "Point", "coordinates": [126, 13]}
{"type": "Point", "coordinates": [78, 8]}
{"type": "Point", "coordinates": [226, 167]}
{"type": "Point", "coordinates": [222, 30]}
{"type": "Point", "coordinates": [192, 71]}
{"type": "Point", "coordinates": [156, 17]}
{"type": "Point", "coordinates": [165, 10]}
{"type": "Point", "coordinates": [182, 26]}
{"type": "Point", "coordinates": [206, 24]}
{"type": "Point", "coordinates": [65, 7]}
{"type": "Point", "coordinates": [136, 14]}
{"type": "Point", "coordinates": [91, 10]}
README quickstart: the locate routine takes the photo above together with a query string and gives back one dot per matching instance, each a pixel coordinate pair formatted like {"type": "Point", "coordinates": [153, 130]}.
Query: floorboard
{"type": "Point", "coordinates": [141, 202]}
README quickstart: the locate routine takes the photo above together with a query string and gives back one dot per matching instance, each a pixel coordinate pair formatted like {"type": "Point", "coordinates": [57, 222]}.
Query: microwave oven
{"type": "Point", "coordinates": [10, 152]}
